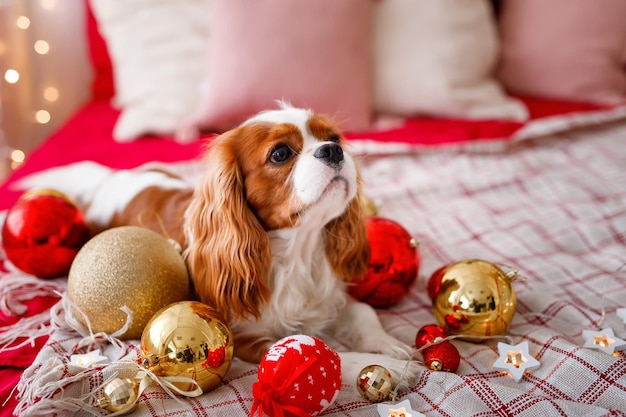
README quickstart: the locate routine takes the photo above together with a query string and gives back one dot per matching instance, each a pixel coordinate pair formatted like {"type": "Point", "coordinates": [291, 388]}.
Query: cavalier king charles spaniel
{"type": "Point", "coordinates": [272, 234]}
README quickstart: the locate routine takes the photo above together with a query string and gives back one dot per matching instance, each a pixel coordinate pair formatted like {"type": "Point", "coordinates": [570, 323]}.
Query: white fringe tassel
{"type": "Point", "coordinates": [16, 287]}
{"type": "Point", "coordinates": [65, 318]}
{"type": "Point", "coordinates": [53, 385]}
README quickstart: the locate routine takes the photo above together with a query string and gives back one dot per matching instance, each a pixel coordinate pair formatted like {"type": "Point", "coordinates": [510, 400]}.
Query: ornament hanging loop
{"type": "Point", "coordinates": [511, 273]}
{"type": "Point", "coordinates": [161, 226]}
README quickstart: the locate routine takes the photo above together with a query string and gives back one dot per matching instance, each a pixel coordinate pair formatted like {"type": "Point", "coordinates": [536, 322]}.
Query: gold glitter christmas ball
{"type": "Point", "coordinates": [473, 297]}
{"type": "Point", "coordinates": [126, 266]}
{"type": "Point", "coordinates": [188, 339]}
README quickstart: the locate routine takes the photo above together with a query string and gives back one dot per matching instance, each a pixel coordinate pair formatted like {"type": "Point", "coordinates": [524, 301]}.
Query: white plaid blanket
{"type": "Point", "coordinates": [553, 207]}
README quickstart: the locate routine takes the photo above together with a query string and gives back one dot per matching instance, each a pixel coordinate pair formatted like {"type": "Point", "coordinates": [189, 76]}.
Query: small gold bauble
{"type": "Point", "coordinates": [475, 297]}
{"type": "Point", "coordinates": [119, 394]}
{"type": "Point", "coordinates": [188, 339]}
{"type": "Point", "coordinates": [126, 266]}
{"type": "Point", "coordinates": [368, 206]}
{"type": "Point", "coordinates": [374, 383]}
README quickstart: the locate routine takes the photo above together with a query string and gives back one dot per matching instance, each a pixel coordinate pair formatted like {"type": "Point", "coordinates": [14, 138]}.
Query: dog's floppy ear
{"type": "Point", "coordinates": [347, 247]}
{"type": "Point", "coordinates": [228, 254]}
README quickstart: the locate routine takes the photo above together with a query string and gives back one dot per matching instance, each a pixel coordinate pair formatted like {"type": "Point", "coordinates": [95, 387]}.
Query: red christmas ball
{"type": "Point", "coordinates": [393, 264]}
{"type": "Point", "coordinates": [429, 334]}
{"type": "Point", "coordinates": [434, 283]}
{"type": "Point", "coordinates": [43, 232]}
{"type": "Point", "coordinates": [298, 376]}
{"type": "Point", "coordinates": [442, 356]}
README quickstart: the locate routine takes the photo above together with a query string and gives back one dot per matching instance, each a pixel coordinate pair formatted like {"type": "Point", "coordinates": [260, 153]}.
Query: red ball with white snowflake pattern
{"type": "Point", "coordinates": [298, 376]}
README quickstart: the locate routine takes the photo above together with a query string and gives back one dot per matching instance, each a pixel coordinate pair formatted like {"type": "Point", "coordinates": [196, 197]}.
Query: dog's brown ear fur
{"type": "Point", "coordinates": [347, 247]}
{"type": "Point", "coordinates": [228, 254]}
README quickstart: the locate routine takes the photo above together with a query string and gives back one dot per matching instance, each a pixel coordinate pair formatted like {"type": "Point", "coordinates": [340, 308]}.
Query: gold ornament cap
{"type": "Point", "coordinates": [37, 192]}
{"type": "Point", "coordinates": [369, 208]}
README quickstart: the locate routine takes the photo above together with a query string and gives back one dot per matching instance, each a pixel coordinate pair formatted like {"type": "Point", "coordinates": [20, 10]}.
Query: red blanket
{"type": "Point", "coordinates": [88, 136]}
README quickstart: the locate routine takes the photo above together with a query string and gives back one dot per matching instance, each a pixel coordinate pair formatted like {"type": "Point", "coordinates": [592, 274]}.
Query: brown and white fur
{"type": "Point", "coordinates": [272, 233]}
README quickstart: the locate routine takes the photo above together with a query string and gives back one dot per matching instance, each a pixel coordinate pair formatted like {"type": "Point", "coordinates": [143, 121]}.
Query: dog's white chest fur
{"type": "Point", "coordinates": [306, 296]}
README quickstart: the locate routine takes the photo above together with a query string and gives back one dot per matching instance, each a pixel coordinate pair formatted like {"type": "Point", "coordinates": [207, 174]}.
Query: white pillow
{"type": "Point", "coordinates": [158, 50]}
{"type": "Point", "coordinates": [437, 57]}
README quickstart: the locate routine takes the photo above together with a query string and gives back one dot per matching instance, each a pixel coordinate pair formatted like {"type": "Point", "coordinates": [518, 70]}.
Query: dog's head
{"type": "Point", "coordinates": [280, 169]}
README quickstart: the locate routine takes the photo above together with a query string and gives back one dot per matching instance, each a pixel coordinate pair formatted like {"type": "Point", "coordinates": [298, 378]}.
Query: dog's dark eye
{"type": "Point", "coordinates": [333, 137]}
{"type": "Point", "coordinates": [280, 154]}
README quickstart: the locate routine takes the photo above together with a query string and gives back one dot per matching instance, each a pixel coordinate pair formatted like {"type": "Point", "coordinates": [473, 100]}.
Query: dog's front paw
{"type": "Point", "coordinates": [396, 349]}
{"type": "Point", "coordinates": [387, 345]}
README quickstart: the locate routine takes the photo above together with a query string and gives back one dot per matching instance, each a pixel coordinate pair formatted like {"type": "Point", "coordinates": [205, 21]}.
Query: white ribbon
{"type": "Point", "coordinates": [167, 383]}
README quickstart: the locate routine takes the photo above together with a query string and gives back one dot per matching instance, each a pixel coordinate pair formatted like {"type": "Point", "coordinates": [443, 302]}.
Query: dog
{"type": "Point", "coordinates": [273, 233]}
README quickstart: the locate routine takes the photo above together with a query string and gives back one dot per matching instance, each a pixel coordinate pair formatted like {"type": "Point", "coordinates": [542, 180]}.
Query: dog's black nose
{"type": "Point", "coordinates": [331, 153]}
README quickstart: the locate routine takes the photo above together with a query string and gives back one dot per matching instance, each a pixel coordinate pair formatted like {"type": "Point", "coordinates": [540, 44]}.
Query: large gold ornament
{"type": "Point", "coordinates": [473, 297]}
{"type": "Point", "coordinates": [188, 339]}
{"type": "Point", "coordinates": [126, 266]}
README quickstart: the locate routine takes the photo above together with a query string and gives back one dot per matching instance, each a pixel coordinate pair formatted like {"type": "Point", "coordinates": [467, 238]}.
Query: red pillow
{"type": "Point", "coordinates": [102, 86]}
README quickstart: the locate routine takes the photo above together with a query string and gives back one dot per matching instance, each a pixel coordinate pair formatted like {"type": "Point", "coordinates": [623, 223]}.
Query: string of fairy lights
{"type": "Point", "coordinates": [15, 74]}
{"type": "Point", "coordinates": [16, 156]}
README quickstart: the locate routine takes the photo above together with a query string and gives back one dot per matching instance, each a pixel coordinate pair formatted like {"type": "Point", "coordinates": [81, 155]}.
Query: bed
{"type": "Point", "coordinates": [545, 196]}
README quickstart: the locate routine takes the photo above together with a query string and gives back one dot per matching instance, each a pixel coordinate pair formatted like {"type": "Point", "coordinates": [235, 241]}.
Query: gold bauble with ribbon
{"type": "Point", "coordinates": [130, 267]}
{"type": "Point", "coordinates": [473, 297]}
{"type": "Point", "coordinates": [188, 339]}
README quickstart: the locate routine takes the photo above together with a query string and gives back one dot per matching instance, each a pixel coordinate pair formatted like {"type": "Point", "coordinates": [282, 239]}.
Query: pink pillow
{"type": "Point", "coordinates": [313, 54]}
{"type": "Point", "coordinates": [567, 49]}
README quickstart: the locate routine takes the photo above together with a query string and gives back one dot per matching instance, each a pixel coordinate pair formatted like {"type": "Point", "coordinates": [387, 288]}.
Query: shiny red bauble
{"type": "Point", "coordinates": [429, 334]}
{"type": "Point", "coordinates": [434, 282]}
{"type": "Point", "coordinates": [393, 265]}
{"type": "Point", "coordinates": [442, 356]}
{"type": "Point", "coordinates": [43, 232]}
{"type": "Point", "coordinates": [298, 376]}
